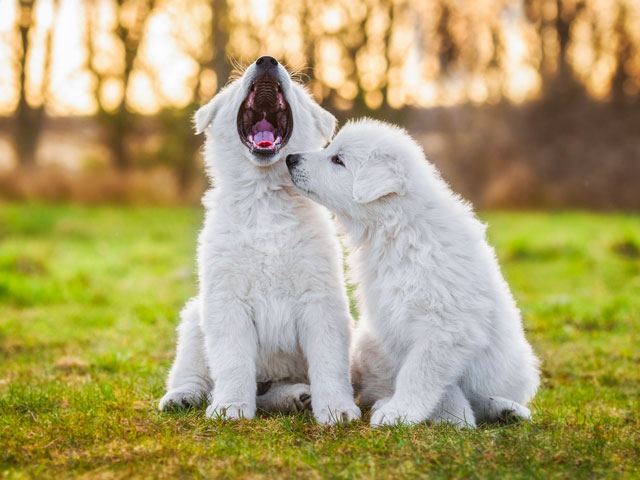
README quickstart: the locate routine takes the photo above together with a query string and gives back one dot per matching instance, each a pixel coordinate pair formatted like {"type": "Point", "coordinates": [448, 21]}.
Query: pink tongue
{"type": "Point", "coordinates": [263, 132]}
{"type": "Point", "coordinates": [261, 137]}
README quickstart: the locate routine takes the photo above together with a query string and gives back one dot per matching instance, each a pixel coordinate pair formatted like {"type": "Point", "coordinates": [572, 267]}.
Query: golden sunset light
{"type": "Point", "coordinates": [115, 82]}
{"type": "Point", "coordinates": [175, 40]}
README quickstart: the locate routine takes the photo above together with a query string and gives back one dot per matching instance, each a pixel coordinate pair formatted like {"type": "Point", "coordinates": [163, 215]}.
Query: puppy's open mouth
{"type": "Point", "coordinates": [265, 122]}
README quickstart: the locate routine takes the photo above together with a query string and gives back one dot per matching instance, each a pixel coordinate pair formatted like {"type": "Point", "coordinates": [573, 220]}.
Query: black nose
{"type": "Point", "coordinates": [292, 160]}
{"type": "Point", "coordinates": [266, 62]}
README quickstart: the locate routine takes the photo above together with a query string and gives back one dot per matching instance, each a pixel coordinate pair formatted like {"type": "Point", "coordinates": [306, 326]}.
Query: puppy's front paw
{"type": "Point", "coordinates": [390, 414]}
{"type": "Point", "coordinates": [181, 398]}
{"type": "Point", "coordinates": [380, 403]}
{"type": "Point", "coordinates": [230, 411]}
{"type": "Point", "coordinates": [515, 413]}
{"type": "Point", "coordinates": [333, 413]}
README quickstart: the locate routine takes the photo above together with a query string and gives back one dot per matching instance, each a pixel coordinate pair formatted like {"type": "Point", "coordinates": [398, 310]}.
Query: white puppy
{"type": "Point", "coordinates": [272, 306]}
{"type": "Point", "coordinates": [440, 337]}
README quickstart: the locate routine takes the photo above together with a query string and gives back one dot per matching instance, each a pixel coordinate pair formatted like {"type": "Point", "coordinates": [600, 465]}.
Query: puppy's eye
{"type": "Point", "coordinates": [336, 159]}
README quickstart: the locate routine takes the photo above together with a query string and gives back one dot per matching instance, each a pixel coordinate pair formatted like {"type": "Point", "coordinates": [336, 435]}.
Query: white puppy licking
{"type": "Point", "coordinates": [440, 337]}
{"type": "Point", "coordinates": [272, 306]}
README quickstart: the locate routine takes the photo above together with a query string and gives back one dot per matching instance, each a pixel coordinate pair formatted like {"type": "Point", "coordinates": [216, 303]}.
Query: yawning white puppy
{"type": "Point", "coordinates": [272, 307]}
{"type": "Point", "coordinates": [440, 337]}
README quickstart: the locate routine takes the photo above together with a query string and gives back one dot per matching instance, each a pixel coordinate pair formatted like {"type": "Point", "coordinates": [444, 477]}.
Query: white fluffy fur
{"type": "Point", "coordinates": [272, 306]}
{"type": "Point", "coordinates": [440, 337]}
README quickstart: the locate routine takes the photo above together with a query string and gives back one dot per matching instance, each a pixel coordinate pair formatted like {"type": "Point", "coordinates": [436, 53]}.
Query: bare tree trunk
{"type": "Point", "coordinates": [220, 39]}
{"type": "Point", "coordinates": [563, 29]}
{"type": "Point", "coordinates": [117, 124]}
{"type": "Point", "coordinates": [385, 109]}
{"type": "Point", "coordinates": [623, 55]}
{"type": "Point", "coordinates": [187, 143]}
{"type": "Point", "coordinates": [28, 120]}
{"type": "Point", "coordinates": [359, 105]}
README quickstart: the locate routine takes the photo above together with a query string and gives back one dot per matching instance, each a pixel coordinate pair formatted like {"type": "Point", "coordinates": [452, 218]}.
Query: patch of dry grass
{"type": "Point", "coordinates": [157, 186]}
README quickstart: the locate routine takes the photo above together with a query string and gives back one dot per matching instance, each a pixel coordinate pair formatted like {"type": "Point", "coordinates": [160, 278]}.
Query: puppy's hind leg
{"type": "Point", "coordinates": [454, 408]}
{"type": "Point", "coordinates": [498, 409]}
{"type": "Point", "coordinates": [371, 375]}
{"type": "Point", "coordinates": [285, 398]}
{"type": "Point", "coordinates": [189, 382]}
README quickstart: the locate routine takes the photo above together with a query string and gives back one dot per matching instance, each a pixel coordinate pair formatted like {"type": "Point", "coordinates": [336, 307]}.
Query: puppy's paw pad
{"type": "Point", "coordinates": [230, 411]}
{"type": "Point", "coordinates": [180, 399]}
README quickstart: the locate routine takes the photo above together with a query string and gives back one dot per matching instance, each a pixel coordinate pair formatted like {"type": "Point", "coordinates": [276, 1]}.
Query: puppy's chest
{"type": "Point", "coordinates": [396, 304]}
{"type": "Point", "coordinates": [271, 266]}
{"type": "Point", "coordinates": [268, 260]}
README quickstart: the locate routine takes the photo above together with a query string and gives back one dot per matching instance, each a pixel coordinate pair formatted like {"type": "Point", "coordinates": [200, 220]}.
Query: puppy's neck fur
{"type": "Point", "coordinates": [428, 214]}
{"type": "Point", "coordinates": [363, 232]}
{"type": "Point", "coordinates": [253, 194]}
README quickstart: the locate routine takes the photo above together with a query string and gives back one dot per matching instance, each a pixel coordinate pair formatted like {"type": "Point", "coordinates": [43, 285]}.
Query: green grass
{"type": "Point", "coordinates": [88, 303]}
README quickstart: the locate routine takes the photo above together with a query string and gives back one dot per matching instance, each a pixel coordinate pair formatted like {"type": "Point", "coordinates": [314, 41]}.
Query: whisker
{"type": "Point", "coordinates": [297, 72]}
{"type": "Point", "coordinates": [238, 68]}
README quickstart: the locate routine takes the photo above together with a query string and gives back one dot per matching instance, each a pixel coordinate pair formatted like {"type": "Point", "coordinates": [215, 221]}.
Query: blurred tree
{"type": "Point", "coordinates": [623, 86]}
{"type": "Point", "coordinates": [354, 38]}
{"type": "Point", "coordinates": [152, 63]}
{"type": "Point", "coordinates": [219, 39]}
{"type": "Point", "coordinates": [587, 45]}
{"type": "Point", "coordinates": [29, 118]}
{"type": "Point", "coordinates": [116, 117]}
{"type": "Point", "coordinates": [352, 49]}
{"type": "Point", "coordinates": [210, 52]}
{"type": "Point", "coordinates": [448, 50]}
{"type": "Point", "coordinates": [553, 20]}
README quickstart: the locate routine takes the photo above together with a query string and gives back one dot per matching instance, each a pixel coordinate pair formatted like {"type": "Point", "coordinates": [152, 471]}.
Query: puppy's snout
{"type": "Point", "coordinates": [292, 160]}
{"type": "Point", "coordinates": [266, 63]}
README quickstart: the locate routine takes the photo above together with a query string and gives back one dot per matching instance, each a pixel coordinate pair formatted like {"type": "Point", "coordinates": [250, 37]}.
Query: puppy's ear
{"type": "Point", "coordinates": [205, 115]}
{"type": "Point", "coordinates": [325, 121]}
{"type": "Point", "coordinates": [380, 175]}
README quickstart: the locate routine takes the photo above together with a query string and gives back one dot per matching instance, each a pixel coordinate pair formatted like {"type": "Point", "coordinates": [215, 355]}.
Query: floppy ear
{"type": "Point", "coordinates": [205, 114]}
{"type": "Point", "coordinates": [380, 175]}
{"type": "Point", "coordinates": [325, 121]}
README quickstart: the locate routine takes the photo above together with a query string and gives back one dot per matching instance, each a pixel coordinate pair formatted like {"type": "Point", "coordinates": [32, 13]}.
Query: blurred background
{"type": "Point", "coordinates": [523, 103]}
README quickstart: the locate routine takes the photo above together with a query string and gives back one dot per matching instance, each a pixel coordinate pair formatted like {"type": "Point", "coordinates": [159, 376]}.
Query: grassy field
{"type": "Point", "coordinates": [88, 303]}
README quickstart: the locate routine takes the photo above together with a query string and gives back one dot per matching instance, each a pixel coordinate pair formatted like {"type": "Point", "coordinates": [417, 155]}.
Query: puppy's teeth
{"type": "Point", "coordinates": [278, 140]}
{"type": "Point", "coordinates": [251, 100]}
